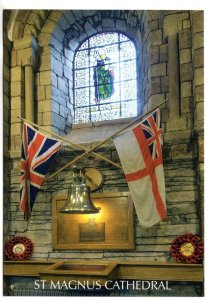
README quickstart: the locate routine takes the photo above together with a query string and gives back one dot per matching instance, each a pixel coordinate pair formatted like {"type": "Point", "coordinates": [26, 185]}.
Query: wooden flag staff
{"type": "Point", "coordinates": [89, 151]}
{"type": "Point", "coordinates": [71, 143]}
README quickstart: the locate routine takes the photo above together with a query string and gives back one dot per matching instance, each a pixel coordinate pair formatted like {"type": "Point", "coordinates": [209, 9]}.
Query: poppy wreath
{"type": "Point", "coordinates": [18, 248]}
{"type": "Point", "coordinates": [187, 248]}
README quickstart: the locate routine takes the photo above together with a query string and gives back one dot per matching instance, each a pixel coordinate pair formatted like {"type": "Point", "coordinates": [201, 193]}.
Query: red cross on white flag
{"type": "Point", "coordinates": [140, 152]}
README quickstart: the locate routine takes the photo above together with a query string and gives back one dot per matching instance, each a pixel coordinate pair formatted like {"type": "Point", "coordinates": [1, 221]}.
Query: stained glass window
{"type": "Point", "coordinates": [105, 86]}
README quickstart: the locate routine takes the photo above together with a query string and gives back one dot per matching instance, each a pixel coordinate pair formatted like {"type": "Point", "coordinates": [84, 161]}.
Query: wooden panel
{"type": "Point", "coordinates": [71, 270]}
{"type": "Point", "coordinates": [25, 268]}
{"type": "Point", "coordinates": [112, 228]}
{"type": "Point", "coordinates": [161, 272]}
{"type": "Point", "coordinates": [125, 270]}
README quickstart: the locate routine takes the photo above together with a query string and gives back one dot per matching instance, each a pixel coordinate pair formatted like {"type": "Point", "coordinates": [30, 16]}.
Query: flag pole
{"type": "Point", "coordinates": [126, 126]}
{"type": "Point", "coordinates": [88, 151]}
{"type": "Point", "coordinates": [71, 143]}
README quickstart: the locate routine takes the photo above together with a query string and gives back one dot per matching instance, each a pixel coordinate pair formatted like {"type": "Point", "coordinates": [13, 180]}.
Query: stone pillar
{"type": "Point", "coordinates": [26, 53]}
{"type": "Point", "coordinates": [198, 70]}
{"type": "Point", "coordinates": [29, 93]}
{"type": "Point", "coordinates": [197, 18]}
{"type": "Point", "coordinates": [173, 66]}
{"type": "Point", "coordinates": [6, 129]}
{"type": "Point", "coordinates": [200, 144]}
{"type": "Point", "coordinates": [172, 24]}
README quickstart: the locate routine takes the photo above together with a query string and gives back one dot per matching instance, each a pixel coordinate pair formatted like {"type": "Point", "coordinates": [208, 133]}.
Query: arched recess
{"type": "Point", "coordinates": [53, 36]}
{"type": "Point", "coordinates": [60, 36]}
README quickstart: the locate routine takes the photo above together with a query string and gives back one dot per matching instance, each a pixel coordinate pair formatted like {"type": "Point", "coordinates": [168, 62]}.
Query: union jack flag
{"type": "Point", "coordinates": [154, 134]}
{"type": "Point", "coordinates": [37, 153]}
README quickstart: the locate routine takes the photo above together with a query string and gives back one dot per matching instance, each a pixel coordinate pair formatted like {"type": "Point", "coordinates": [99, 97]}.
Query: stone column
{"type": "Point", "coordinates": [26, 51]}
{"type": "Point", "coordinates": [200, 143]}
{"type": "Point", "coordinates": [197, 18]}
{"type": "Point", "coordinates": [29, 93]}
{"type": "Point", "coordinates": [171, 29]}
{"type": "Point", "coordinates": [6, 129]}
{"type": "Point", "coordinates": [173, 66]}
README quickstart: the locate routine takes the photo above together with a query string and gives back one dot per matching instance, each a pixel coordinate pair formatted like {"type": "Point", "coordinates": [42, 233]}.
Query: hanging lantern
{"type": "Point", "coordinates": [79, 200]}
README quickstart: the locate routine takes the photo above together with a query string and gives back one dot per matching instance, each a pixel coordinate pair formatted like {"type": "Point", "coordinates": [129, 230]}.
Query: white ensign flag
{"type": "Point", "coordinates": [140, 152]}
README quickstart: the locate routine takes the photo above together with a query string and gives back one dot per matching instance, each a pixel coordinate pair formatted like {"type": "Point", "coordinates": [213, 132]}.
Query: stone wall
{"type": "Point", "coordinates": [6, 122]}
{"type": "Point", "coordinates": [58, 36]}
{"type": "Point", "coordinates": [153, 59]}
{"type": "Point", "coordinates": [151, 243]}
{"type": "Point", "coordinates": [197, 18]}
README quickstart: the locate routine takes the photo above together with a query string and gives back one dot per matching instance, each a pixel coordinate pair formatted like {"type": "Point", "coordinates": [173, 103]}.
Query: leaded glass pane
{"type": "Point", "coordinates": [106, 115]}
{"type": "Point", "coordinates": [127, 51]}
{"type": "Point", "coordinates": [82, 115]}
{"type": "Point", "coordinates": [85, 45]}
{"type": "Point", "coordinates": [81, 59]}
{"type": "Point", "coordinates": [103, 39]}
{"type": "Point", "coordinates": [129, 109]}
{"type": "Point", "coordinates": [110, 51]}
{"type": "Point", "coordinates": [81, 97]}
{"type": "Point", "coordinates": [81, 78]}
{"type": "Point", "coordinates": [128, 90]}
{"type": "Point", "coordinates": [126, 67]}
{"type": "Point", "coordinates": [116, 94]}
{"type": "Point", "coordinates": [105, 79]}
{"type": "Point", "coordinates": [92, 95]}
{"type": "Point", "coordinates": [123, 38]}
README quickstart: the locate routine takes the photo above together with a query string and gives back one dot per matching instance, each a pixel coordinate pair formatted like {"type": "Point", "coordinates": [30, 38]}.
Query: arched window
{"type": "Point", "coordinates": [105, 86]}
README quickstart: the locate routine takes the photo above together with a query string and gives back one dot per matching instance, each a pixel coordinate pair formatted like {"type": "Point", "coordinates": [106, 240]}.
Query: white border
{"type": "Point", "coordinates": [211, 100]}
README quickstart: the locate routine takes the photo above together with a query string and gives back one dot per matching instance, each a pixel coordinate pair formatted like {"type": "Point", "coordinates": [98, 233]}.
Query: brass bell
{"type": "Point", "coordinates": [79, 200]}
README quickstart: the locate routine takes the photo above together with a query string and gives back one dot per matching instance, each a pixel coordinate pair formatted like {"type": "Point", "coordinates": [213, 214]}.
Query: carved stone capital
{"type": "Point", "coordinates": [27, 42]}
{"type": "Point", "coordinates": [27, 51]}
{"type": "Point", "coordinates": [172, 24]}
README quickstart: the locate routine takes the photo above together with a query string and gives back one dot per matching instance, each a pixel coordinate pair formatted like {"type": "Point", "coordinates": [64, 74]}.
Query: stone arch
{"type": "Point", "coordinates": [26, 23]}
{"type": "Point", "coordinates": [61, 34]}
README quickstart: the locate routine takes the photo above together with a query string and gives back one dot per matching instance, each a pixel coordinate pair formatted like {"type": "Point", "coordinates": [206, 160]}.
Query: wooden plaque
{"type": "Point", "coordinates": [111, 228]}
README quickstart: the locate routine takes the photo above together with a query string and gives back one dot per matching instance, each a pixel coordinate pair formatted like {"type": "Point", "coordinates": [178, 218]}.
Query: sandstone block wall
{"type": "Point", "coordinates": [6, 125]}
{"type": "Point", "coordinates": [151, 243]}
{"type": "Point", "coordinates": [197, 18]}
